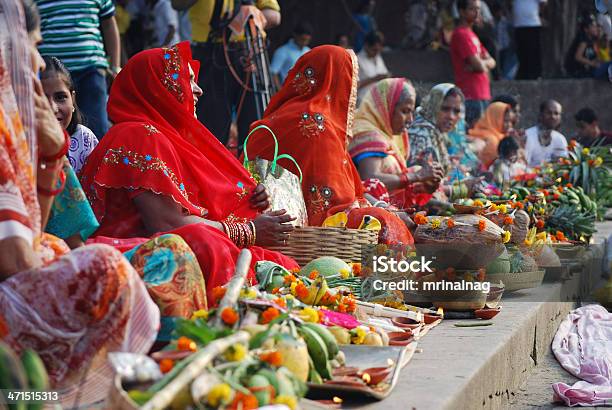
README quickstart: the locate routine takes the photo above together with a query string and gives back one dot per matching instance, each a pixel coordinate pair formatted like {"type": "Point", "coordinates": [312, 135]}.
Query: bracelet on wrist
{"type": "Point", "coordinates": [60, 154]}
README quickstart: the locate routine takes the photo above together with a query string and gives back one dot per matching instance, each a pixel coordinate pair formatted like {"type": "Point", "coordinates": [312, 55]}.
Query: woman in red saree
{"type": "Point", "coordinates": [312, 116]}
{"type": "Point", "coordinates": [159, 170]}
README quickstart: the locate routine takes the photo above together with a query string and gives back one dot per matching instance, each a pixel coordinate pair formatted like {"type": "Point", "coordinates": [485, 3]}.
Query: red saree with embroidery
{"type": "Point", "coordinates": [157, 144]}
{"type": "Point", "coordinates": [312, 117]}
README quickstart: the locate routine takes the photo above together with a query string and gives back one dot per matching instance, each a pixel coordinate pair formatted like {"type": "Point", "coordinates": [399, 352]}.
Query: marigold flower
{"type": "Point", "coordinates": [508, 220]}
{"type": "Point", "coordinates": [275, 291]}
{"type": "Point", "coordinates": [420, 219]}
{"type": "Point", "coordinates": [356, 268]}
{"type": "Point", "coordinates": [294, 270]}
{"type": "Point", "coordinates": [217, 294]}
{"type": "Point", "coordinates": [165, 365]}
{"type": "Point", "coordinates": [450, 222]}
{"type": "Point", "coordinates": [293, 287]}
{"type": "Point", "coordinates": [586, 151]}
{"type": "Point", "coordinates": [200, 314]}
{"type": "Point", "coordinates": [219, 395]}
{"type": "Point", "coordinates": [598, 161]}
{"type": "Point", "coordinates": [482, 225]}
{"type": "Point", "coordinates": [280, 302]}
{"type": "Point", "coordinates": [273, 358]}
{"type": "Point", "coordinates": [288, 401]}
{"type": "Point", "coordinates": [358, 335]}
{"type": "Point", "coordinates": [301, 291]}
{"type": "Point", "coordinates": [503, 208]}
{"type": "Point", "coordinates": [569, 185]}
{"type": "Point", "coordinates": [479, 203]}
{"type": "Point", "coordinates": [435, 223]}
{"type": "Point", "coordinates": [269, 315]}
{"type": "Point", "coordinates": [229, 316]}
{"type": "Point", "coordinates": [244, 402]}
{"type": "Point", "coordinates": [539, 224]}
{"type": "Point", "coordinates": [560, 189]}
{"type": "Point", "coordinates": [493, 208]}
{"type": "Point", "coordinates": [309, 314]}
{"type": "Point", "coordinates": [560, 236]}
{"type": "Point", "coordinates": [185, 343]}
{"type": "Point", "coordinates": [289, 279]}
{"type": "Point", "coordinates": [506, 237]}
{"type": "Point", "coordinates": [528, 242]}
{"type": "Point", "coordinates": [541, 236]}
{"type": "Point", "coordinates": [235, 353]}
{"type": "Point", "coordinates": [313, 274]}
{"type": "Point", "coordinates": [350, 303]}
{"type": "Point", "coordinates": [345, 274]}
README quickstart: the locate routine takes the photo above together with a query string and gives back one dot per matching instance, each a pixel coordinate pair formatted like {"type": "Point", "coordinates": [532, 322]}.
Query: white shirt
{"type": "Point", "coordinates": [536, 154]}
{"type": "Point", "coordinates": [164, 15]}
{"type": "Point", "coordinates": [369, 68]}
{"type": "Point", "coordinates": [526, 13]}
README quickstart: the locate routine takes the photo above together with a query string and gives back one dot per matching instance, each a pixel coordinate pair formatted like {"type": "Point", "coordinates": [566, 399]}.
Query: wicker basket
{"type": "Point", "coordinates": [308, 243]}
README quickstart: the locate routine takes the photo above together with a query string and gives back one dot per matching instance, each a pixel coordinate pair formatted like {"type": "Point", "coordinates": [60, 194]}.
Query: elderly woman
{"type": "Point", "coordinates": [491, 128]}
{"type": "Point", "coordinates": [379, 146]}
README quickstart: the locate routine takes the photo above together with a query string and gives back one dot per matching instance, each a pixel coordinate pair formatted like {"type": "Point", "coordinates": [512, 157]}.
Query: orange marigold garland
{"type": "Point", "coordinates": [229, 316]}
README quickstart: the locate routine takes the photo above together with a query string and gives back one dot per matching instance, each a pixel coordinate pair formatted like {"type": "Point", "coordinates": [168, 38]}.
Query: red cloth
{"type": "Point", "coordinates": [311, 117]}
{"type": "Point", "coordinates": [465, 43]}
{"type": "Point", "coordinates": [158, 145]}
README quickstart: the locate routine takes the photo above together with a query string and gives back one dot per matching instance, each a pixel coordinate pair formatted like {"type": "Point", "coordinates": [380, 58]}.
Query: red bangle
{"type": "Point", "coordinates": [47, 192]}
{"type": "Point", "coordinates": [61, 152]}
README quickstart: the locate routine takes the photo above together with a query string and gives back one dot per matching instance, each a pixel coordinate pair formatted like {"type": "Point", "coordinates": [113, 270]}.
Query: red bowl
{"type": "Point", "coordinates": [405, 322]}
{"type": "Point", "coordinates": [377, 374]}
{"type": "Point", "coordinates": [400, 338]}
{"type": "Point", "coordinates": [486, 313]}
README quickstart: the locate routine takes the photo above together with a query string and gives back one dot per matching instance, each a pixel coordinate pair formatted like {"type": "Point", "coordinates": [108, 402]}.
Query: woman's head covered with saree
{"type": "Point", "coordinates": [312, 117]}
{"type": "Point", "coordinates": [373, 130]}
{"type": "Point", "coordinates": [491, 128]}
{"type": "Point", "coordinates": [438, 114]}
{"type": "Point", "coordinates": [157, 144]}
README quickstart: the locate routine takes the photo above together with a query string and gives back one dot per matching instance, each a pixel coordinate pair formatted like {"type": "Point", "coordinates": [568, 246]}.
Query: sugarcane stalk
{"type": "Point", "coordinates": [232, 291]}
{"type": "Point", "coordinates": [201, 360]}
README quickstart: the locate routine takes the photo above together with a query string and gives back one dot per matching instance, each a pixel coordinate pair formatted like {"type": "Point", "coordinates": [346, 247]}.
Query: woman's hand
{"type": "Point", "coordinates": [259, 199]}
{"type": "Point", "coordinates": [48, 130]}
{"type": "Point", "coordinates": [273, 229]}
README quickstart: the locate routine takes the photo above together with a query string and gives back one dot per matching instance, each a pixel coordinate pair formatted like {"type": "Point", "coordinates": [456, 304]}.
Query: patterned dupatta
{"type": "Point", "coordinates": [19, 208]}
{"type": "Point", "coordinates": [312, 116]}
{"type": "Point", "coordinates": [157, 144]}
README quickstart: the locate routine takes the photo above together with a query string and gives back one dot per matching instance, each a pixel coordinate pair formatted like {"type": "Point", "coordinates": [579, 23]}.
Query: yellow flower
{"type": "Point", "coordinates": [288, 401]}
{"type": "Point", "coordinates": [309, 314]}
{"type": "Point", "coordinates": [506, 237]}
{"type": "Point", "coordinates": [235, 353]}
{"type": "Point", "coordinates": [293, 286]}
{"type": "Point", "coordinates": [598, 161]}
{"type": "Point", "coordinates": [503, 208]}
{"type": "Point", "coordinates": [200, 314]}
{"type": "Point", "coordinates": [248, 293]}
{"type": "Point", "coordinates": [542, 211]}
{"type": "Point", "coordinates": [530, 208]}
{"type": "Point", "coordinates": [478, 203]}
{"type": "Point", "coordinates": [219, 395]}
{"type": "Point", "coordinates": [359, 336]}
{"type": "Point", "coordinates": [528, 242]}
{"type": "Point", "coordinates": [541, 236]}
{"type": "Point", "coordinates": [493, 208]}
{"type": "Point", "coordinates": [345, 274]}
{"type": "Point", "coordinates": [435, 223]}
{"type": "Point", "coordinates": [585, 151]}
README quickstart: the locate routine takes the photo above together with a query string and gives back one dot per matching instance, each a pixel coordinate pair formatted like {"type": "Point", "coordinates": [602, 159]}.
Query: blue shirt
{"type": "Point", "coordinates": [285, 57]}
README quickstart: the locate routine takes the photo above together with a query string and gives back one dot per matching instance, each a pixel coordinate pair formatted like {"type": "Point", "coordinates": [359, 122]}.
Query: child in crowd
{"type": "Point", "coordinates": [60, 91]}
{"type": "Point", "coordinates": [507, 166]}
{"type": "Point", "coordinates": [589, 133]}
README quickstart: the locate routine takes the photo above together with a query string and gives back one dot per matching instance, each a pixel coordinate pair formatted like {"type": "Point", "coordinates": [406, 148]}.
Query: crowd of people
{"type": "Point", "coordinates": [113, 229]}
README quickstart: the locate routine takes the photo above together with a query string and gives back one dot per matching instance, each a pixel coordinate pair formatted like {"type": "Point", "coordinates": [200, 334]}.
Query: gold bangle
{"type": "Point", "coordinates": [254, 232]}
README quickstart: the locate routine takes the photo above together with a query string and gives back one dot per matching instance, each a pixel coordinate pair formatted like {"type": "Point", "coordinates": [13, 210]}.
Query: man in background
{"type": "Point", "coordinates": [224, 69]}
{"type": "Point", "coordinates": [286, 55]}
{"type": "Point", "coordinates": [527, 32]}
{"type": "Point", "coordinates": [589, 133]}
{"type": "Point", "coordinates": [543, 142]}
{"type": "Point", "coordinates": [372, 67]}
{"type": "Point", "coordinates": [472, 63]}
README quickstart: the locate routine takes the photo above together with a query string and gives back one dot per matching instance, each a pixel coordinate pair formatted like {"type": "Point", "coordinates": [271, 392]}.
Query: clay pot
{"type": "Point", "coordinates": [377, 374]}
{"type": "Point", "coordinates": [430, 318]}
{"type": "Point", "coordinates": [486, 313]}
{"type": "Point", "coordinates": [400, 338]}
{"type": "Point", "coordinates": [405, 322]}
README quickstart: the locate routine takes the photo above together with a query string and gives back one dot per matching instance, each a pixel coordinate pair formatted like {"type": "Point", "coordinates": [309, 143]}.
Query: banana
{"type": "Point", "coordinates": [12, 375]}
{"type": "Point", "coordinates": [38, 379]}
{"type": "Point", "coordinates": [317, 349]}
{"type": "Point", "coordinates": [316, 290]}
{"type": "Point", "coordinates": [285, 387]}
{"type": "Point", "coordinates": [328, 338]}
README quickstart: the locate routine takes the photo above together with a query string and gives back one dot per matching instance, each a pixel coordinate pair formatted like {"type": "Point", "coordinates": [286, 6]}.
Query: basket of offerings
{"type": "Point", "coordinates": [462, 242]}
{"type": "Point", "coordinates": [308, 243]}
